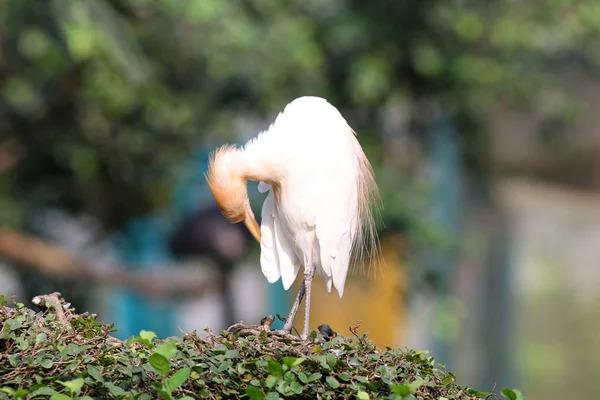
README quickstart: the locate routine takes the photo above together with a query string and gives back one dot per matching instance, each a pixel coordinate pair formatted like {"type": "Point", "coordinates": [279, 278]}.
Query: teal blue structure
{"type": "Point", "coordinates": [141, 245]}
{"type": "Point", "coordinates": [278, 303]}
{"type": "Point", "coordinates": [447, 181]}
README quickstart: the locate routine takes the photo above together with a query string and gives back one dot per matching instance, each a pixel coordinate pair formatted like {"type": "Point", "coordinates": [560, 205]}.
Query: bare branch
{"type": "Point", "coordinates": [43, 257]}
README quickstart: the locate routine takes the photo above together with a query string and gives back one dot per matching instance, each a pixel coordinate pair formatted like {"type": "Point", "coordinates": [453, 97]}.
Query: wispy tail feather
{"type": "Point", "coordinates": [366, 249]}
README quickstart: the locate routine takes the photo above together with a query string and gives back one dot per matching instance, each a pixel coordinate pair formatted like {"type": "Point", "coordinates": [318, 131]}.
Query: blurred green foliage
{"type": "Point", "coordinates": [107, 98]}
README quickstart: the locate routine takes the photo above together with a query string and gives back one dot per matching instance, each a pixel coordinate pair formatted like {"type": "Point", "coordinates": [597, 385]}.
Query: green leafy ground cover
{"type": "Point", "coordinates": [58, 354]}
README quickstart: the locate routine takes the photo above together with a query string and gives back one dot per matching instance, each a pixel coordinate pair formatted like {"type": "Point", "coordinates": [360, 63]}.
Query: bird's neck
{"type": "Point", "coordinates": [227, 173]}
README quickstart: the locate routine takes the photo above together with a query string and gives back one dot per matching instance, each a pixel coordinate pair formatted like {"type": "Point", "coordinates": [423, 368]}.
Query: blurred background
{"type": "Point", "coordinates": [480, 118]}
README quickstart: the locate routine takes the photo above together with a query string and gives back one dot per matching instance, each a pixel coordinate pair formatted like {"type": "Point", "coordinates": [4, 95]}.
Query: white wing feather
{"type": "Point", "coordinates": [277, 257]}
{"type": "Point", "coordinates": [335, 229]}
{"type": "Point", "coordinates": [336, 224]}
{"type": "Point", "coordinates": [269, 260]}
{"type": "Point", "coordinates": [289, 265]}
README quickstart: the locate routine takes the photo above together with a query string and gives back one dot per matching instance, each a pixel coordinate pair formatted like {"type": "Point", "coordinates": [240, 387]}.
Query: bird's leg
{"type": "Point", "coordinates": [309, 273]}
{"type": "Point", "coordinates": [287, 327]}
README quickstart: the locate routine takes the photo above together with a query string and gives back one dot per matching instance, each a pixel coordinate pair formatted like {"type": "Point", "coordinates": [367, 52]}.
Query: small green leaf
{"type": "Point", "coordinates": [241, 369]}
{"type": "Point", "coordinates": [363, 396]}
{"type": "Point", "coordinates": [512, 394]}
{"type": "Point", "coordinates": [403, 390]}
{"type": "Point", "coordinates": [160, 363]}
{"type": "Point", "coordinates": [167, 349]}
{"type": "Point", "coordinates": [59, 396]}
{"type": "Point", "coordinates": [74, 386]}
{"type": "Point", "coordinates": [147, 335]}
{"type": "Point", "coordinates": [275, 368]}
{"type": "Point", "coordinates": [315, 376]}
{"type": "Point", "coordinates": [14, 360]}
{"type": "Point", "coordinates": [477, 393]}
{"type": "Point", "coordinates": [2, 300]}
{"type": "Point", "coordinates": [178, 378]}
{"type": "Point", "coordinates": [20, 393]}
{"type": "Point", "coordinates": [23, 344]}
{"type": "Point", "coordinates": [232, 354]}
{"type": "Point", "coordinates": [413, 386]}
{"type": "Point", "coordinates": [448, 380]}
{"type": "Point", "coordinates": [331, 360]}
{"type": "Point", "coordinates": [94, 372]}
{"type": "Point", "coordinates": [271, 381]}
{"type": "Point", "coordinates": [332, 382]}
{"type": "Point", "coordinates": [46, 363]}
{"type": "Point", "coordinates": [272, 396]}
{"type": "Point", "coordinates": [254, 393]}
{"type": "Point", "coordinates": [296, 387]}
{"type": "Point", "coordinates": [114, 389]}
{"type": "Point", "coordinates": [302, 376]}
{"type": "Point", "coordinates": [41, 338]}
{"type": "Point", "coordinates": [220, 349]}
{"type": "Point", "coordinates": [13, 324]}
{"type": "Point", "coordinates": [292, 362]}
{"type": "Point", "coordinates": [44, 391]}
{"type": "Point", "coordinates": [344, 376]}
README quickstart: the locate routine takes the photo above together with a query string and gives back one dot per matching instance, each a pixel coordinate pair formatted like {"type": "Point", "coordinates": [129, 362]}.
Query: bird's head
{"type": "Point", "coordinates": [227, 183]}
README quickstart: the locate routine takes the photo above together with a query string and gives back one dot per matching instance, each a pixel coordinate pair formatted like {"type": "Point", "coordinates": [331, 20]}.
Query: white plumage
{"type": "Point", "coordinates": [320, 186]}
{"type": "Point", "coordinates": [316, 219]}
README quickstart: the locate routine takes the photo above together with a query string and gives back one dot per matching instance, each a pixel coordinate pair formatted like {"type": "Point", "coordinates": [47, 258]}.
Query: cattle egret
{"type": "Point", "coordinates": [321, 191]}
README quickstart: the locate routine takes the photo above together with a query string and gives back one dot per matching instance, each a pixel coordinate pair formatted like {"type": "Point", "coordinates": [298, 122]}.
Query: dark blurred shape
{"type": "Point", "coordinates": [208, 234]}
{"type": "Point", "coordinates": [326, 331]}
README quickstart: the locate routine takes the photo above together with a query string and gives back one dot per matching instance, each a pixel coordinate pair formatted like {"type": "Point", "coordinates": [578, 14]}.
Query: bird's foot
{"type": "Point", "coordinates": [241, 329]}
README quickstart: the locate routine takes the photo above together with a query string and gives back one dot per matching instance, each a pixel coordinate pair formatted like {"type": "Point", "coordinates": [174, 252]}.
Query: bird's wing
{"type": "Point", "coordinates": [277, 257]}
{"type": "Point", "coordinates": [268, 250]}
{"type": "Point", "coordinates": [335, 240]}
{"type": "Point", "coordinates": [336, 225]}
{"type": "Point", "coordinates": [289, 265]}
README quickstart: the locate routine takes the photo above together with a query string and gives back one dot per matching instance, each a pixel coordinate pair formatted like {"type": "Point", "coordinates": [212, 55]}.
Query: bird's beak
{"type": "Point", "coordinates": [252, 226]}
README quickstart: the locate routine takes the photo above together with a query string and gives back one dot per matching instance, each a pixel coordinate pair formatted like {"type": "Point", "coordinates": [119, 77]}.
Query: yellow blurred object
{"type": "Point", "coordinates": [378, 302]}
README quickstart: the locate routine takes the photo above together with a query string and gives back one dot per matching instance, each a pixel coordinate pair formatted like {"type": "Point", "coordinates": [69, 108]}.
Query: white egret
{"type": "Point", "coordinates": [319, 210]}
